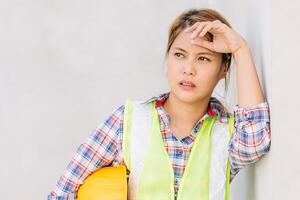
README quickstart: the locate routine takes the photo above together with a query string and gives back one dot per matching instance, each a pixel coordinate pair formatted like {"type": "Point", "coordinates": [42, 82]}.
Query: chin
{"type": "Point", "coordinates": [188, 96]}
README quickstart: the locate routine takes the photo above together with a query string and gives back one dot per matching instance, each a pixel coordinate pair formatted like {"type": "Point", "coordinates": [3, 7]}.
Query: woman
{"type": "Point", "coordinates": [154, 138]}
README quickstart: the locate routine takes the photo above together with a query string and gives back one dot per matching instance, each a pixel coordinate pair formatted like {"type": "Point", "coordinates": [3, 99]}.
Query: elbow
{"type": "Point", "coordinates": [248, 146]}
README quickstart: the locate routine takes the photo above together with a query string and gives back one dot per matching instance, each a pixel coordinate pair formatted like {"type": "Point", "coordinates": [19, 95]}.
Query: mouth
{"type": "Point", "coordinates": [187, 85]}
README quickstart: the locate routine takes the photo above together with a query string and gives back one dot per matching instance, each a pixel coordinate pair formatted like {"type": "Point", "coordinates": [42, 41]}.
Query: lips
{"type": "Point", "coordinates": [187, 83]}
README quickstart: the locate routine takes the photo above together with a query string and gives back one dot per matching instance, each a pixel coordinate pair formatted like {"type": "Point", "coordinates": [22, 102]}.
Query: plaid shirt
{"type": "Point", "coordinates": [103, 147]}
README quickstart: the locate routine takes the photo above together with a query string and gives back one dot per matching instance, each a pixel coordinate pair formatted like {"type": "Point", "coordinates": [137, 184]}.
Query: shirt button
{"type": "Point", "coordinates": [179, 153]}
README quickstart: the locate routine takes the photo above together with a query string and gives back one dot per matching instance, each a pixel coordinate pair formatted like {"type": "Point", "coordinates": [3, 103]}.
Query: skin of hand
{"type": "Point", "coordinates": [225, 39]}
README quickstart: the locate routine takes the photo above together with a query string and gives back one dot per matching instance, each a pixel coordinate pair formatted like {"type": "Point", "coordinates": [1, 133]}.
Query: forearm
{"type": "Point", "coordinates": [248, 85]}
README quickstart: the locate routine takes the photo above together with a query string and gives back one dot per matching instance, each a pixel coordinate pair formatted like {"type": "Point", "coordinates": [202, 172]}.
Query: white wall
{"type": "Point", "coordinates": [62, 67]}
{"type": "Point", "coordinates": [278, 176]}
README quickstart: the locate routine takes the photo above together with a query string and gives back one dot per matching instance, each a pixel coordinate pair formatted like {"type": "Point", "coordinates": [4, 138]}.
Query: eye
{"type": "Point", "coordinates": [202, 58]}
{"type": "Point", "coordinates": [178, 55]}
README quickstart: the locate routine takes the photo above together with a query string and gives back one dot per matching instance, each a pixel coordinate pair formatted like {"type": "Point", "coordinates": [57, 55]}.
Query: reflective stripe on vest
{"type": "Point", "coordinates": [206, 174]}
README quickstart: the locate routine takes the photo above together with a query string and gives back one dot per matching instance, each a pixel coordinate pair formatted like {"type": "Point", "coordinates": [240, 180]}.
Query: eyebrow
{"type": "Point", "coordinates": [203, 53]}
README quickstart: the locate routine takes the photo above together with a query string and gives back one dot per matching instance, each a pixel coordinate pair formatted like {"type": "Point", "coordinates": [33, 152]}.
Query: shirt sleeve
{"type": "Point", "coordinates": [97, 151]}
{"type": "Point", "coordinates": [251, 136]}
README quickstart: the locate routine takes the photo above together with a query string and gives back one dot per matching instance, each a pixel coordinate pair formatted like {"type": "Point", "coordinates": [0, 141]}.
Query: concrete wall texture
{"type": "Point", "coordinates": [66, 65]}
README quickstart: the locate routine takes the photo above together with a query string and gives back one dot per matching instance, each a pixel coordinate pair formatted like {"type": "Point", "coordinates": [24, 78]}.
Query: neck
{"type": "Point", "coordinates": [185, 112]}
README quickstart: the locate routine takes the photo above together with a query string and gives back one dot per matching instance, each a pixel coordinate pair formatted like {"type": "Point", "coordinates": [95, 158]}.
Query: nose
{"type": "Point", "coordinates": [189, 68]}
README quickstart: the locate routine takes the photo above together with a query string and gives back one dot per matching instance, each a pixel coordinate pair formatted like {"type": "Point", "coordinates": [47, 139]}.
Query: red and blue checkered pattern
{"type": "Point", "coordinates": [250, 141]}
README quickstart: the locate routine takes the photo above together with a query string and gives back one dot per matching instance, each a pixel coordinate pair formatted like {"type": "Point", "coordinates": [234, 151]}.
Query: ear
{"type": "Point", "coordinates": [223, 71]}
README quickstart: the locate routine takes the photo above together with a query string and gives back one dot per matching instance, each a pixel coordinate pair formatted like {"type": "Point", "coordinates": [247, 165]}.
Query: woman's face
{"type": "Point", "coordinates": [193, 71]}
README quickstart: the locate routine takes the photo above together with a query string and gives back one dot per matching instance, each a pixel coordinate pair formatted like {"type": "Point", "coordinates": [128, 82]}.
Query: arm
{"type": "Point", "coordinates": [98, 151]}
{"type": "Point", "coordinates": [251, 137]}
{"type": "Point", "coordinates": [248, 86]}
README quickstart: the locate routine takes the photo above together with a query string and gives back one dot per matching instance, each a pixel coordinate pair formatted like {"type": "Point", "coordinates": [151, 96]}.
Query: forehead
{"type": "Point", "coordinates": [183, 41]}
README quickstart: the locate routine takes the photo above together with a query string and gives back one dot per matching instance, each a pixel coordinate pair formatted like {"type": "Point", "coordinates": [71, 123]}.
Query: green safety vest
{"type": "Point", "coordinates": [206, 175]}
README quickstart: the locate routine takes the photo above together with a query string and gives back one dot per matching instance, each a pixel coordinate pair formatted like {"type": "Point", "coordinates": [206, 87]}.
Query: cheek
{"type": "Point", "coordinates": [172, 74]}
{"type": "Point", "coordinates": [207, 74]}
{"type": "Point", "coordinates": [173, 69]}
{"type": "Point", "coordinates": [172, 63]}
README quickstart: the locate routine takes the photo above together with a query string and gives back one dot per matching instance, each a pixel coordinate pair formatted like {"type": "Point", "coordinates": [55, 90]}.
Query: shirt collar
{"type": "Point", "coordinates": [215, 106]}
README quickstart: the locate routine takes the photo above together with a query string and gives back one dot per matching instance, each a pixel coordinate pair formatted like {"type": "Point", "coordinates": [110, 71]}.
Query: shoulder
{"type": "Point", "coordinates": [114, 120]}
{"type": "Point", "coordinates": [119, 110]}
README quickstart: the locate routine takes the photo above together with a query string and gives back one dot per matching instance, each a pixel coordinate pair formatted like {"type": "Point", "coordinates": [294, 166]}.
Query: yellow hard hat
{"type": "Point", "coordinates": [107, 183]}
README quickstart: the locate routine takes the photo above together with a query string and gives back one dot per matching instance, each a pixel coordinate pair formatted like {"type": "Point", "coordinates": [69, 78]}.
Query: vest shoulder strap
{"type": "Point", "coordinates": [137, 119]}
{"type": "Point", "coordinates": [227, 189]}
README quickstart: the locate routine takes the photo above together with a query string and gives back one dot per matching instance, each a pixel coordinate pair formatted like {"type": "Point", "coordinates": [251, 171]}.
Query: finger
{"type": "Point", "coordinates": [204, 43]}
{"type": "Point", "coordinates": [191, 28]}
{"type": "Point", "coordinates": [205, 30]}
{"type": "Point", "coordinates": [194, 26]}
{"type": "Point", "coordinates": [217, 21]}
{"type": "Point", "coordinates": [214, 27]}
{"type": "Point", "coordinates": [198, 30]}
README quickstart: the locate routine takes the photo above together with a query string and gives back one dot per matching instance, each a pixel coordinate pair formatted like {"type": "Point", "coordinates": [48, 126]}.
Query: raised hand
{"type": "Point", "coordinates": [225, 39]}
